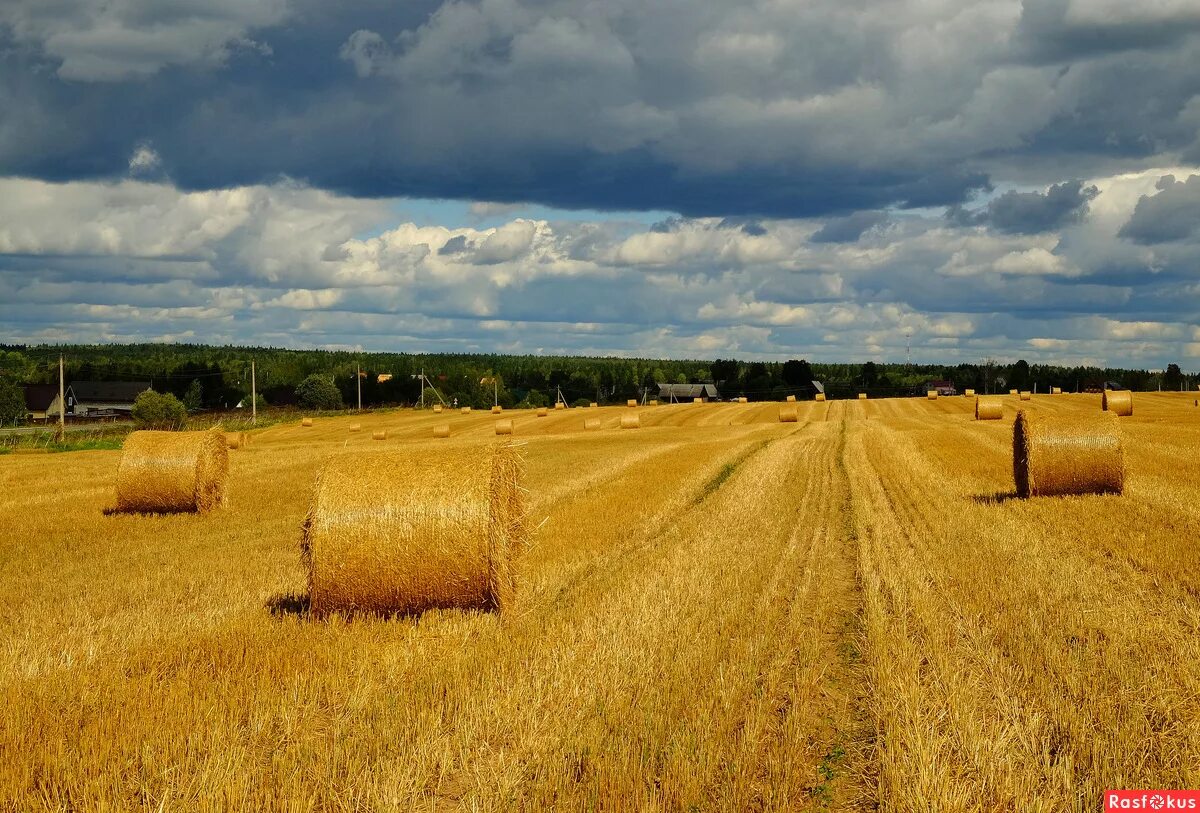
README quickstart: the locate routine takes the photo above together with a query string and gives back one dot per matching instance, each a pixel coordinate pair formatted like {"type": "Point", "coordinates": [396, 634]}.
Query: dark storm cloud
{"type": "Point", "coordinates": [1030, 212]}
{"type": "Point", "coordinates": [1172, 214]}
{"type": "Point", "coordinates": [850, 228]}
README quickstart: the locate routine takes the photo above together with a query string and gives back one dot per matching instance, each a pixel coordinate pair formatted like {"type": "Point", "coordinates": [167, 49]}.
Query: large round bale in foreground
{"type": "Point", "coordinates": [393, 536]}
{"type": "Point", "coordinates": [1026, 395]}
{"type": "Point", "coordinates": [788, 415]}
{"type": "Point", "coordinates": [591, 423]}
{"type": "Point", "coordinates": [235, 440]}
{"type": "Point", "coordinates": [442, 430]}
{"type": "Point", "coordinates": [988, 409]}
{"type": "Point", "coordinates": [1072, 455]}
{"type": "Point", "coordinates": [820, 396]}
{"type": "Point", "coordinates": [172, 472]}
{"type": "Point", "coordinates": [631, 421]}
{"type": "Point", "coordinates": [504, 427]}
{"type": "Point", "coordinates": [1118, 402]}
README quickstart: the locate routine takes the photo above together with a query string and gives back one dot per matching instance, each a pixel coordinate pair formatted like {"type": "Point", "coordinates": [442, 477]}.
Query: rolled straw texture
{"type": "Point", "coordinates": [559, 405]}
{"type": "Point", "coordinates": [306, 422]}
{"type": "Point", "coordinates": [1067, 455]}
{"type": "Point", "coordinates": [631, 421]}
{"type": "Point", "coordinates": [1056, 390]}
{"type": "Point", "coordinates": [504, 427]}
{"type": "Point", "coordinates": [1014, 392]}
{"type": "Point", "coordinates": [788, 415]}
{"type": "Point", "coordinates": [631, 403]}
{"type": "Point", "coordinates": [591, 423]}
{"type": "Point", "coordinates": [496, 410]}
{"type": "Point", "coordinates": [697, 400]}
{"type": "Point", "coordinates": [791, 398]}
{"type": "Point", "coordinates": [988, 409]}
{"type": "Point", "coordinates": [743, 400]}
{"type": "Point", "coordinates": [385, 537]}
{"type": "Point", "coordinates": [356, 427]}
{"type": "Point", "coordinates": [931, 395]}
{"type": "Point", "coordinates": [820, 396]}
{"type": "Point", "coordinates": [1026, 396]}
{"type": "Point", "coordinates": [171, 472]}
{"type": "Point", "coordinates": [969, 393]}
{"type": "Point", "coordinates": [437, 408]}
{"type": "Point", "coordinates": [442, 430]}
{"type": "Point", "coordinates": [1118, 402]}
{"type": "Point", "coordinates": [542, 412]}
{"type": "Point", "coordinates": [465, 410]}
{"type": "Point", "coordinates": [235, 440]}
{"type": "Point", "coordinates": [379, 434]}
{"type": "Point", "coordinates": [862, 396]}
{"type": "Point", "coordinates": [593, 404]}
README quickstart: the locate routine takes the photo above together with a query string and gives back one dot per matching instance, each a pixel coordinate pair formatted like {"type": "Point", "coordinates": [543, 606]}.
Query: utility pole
{"type": "Point", "coordinates": [253, 395]}
{"type": "Point", "coordinates": [358, 383]}
{"type": "Point", "coordinates": [422, 388]}
{"type": "Point", "coordinates": [62, 401]}
{"type": "Point", "coordinates": [495, 392]}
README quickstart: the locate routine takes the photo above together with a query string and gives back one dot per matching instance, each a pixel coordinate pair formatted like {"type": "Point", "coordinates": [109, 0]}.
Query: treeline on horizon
{"type": "Point", "coordinates": [223, 375]}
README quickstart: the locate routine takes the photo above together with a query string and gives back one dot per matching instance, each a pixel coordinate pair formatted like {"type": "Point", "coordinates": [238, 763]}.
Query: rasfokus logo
{"type": "Point", "coordinates": [1151, 800]}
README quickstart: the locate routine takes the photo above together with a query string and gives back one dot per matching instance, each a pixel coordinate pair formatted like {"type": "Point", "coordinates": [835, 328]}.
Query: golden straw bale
{"type": "Point", "coordinates": [437, 408]}
{"type": "Point", "coordinates": [788, 414]}
{"type": "Point", "coordinates": [235, 440]}
{"type": "Point", "coordinates": [969, 393]}
{"type": "Point", "coordinates": [1118, 402]}
{"type": "Point", "coordinates": [743, 400]}
{"type": "Point", "coordinates": [591, 423]}
{"type": "Point", "coordinates": [988, 409]}
{"type": "Point", "coordinates": [631, 421]}
{"type": "Point", "coordinates": [862, 396]}
{"type": "Point", "coordinates": [465, 410]}
{"type": "Point", "coordinates": [439, 532]}
{"type": "Point", "coordinates": [1056, 390]}
{"type": "Point", "coordinates": [442, 430]}
{"type": "Point", "coordinates": [542, 412]}
{"type": "Point", "coordinates": [504, 427]}
{"type": "Point", "coordinates": [1067, 455]}
{"type": "Point", "coordinates": [1026, 395]}
{"type": "Point", "coordinates": [1014, 392]}
{"type": "Point", "coordinates": [697, 400]}
{"type": "Point", "coordinates": [593, 405]}
{"type": "Point", "coordinates": [791, 398]}
{"type": "Point", "coordinates": [559, 405]}
{"type": "Point", "coordinates": [496, 410]}
{"type": "Point", "coordinates": [820, 396]}
{"type": "Point", "coordinates": [931, 395]}
{"type": "Point", "coordinates": [306, 422]}
{"type": "Point", "coordinates": [170, 472]}
{"type": "Point", "coordinates": [379, 434]}
{"type": "Point", "coordinates": [631, 403]}
{"type": "Point", "coordinates": [356, 427]}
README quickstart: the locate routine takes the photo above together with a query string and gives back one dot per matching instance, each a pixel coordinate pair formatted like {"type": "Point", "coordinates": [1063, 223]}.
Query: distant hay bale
{"type": "Point", "coordinates": [988, 409]}
{"type": "Point", "coordinates": [442, 430]}
{"type": "Point", "coordinates": [542, 412]}
{"type": "Point", "coordinates": [496, 410]}
{"type": "Point", "coordinates": [440, 532]}
{"type": "Point", "coordinates": [356, 427]}
{"type": "Point", "coordinates": [465, 410]}
{"type": "Point", "coordinates": [931, 394]}
{"type": "Point", "coordinates": [379, 434]}
{"type": "Point", "coordinates": [820, 396]}
{"type": "Point", "coordinates": [172, 472]}
{"type": "Point", "coordinates": [653, 402]}
{"type": "Point", "coordinates": [631, 403]}
{"type": "Point", "coordinates": [969, 393]}
{"type": "Point", "coordinates": [697, 400]}
{"type": "Point", "coordinates": [437, 408]}
{"type": "Point", "coordinates": [591, 423]}
{"type": "Point", "coordinates": [1118, 402]}
{"type": "Point", "coordinates": [306, 422]}
{"type": "Point", "coordinates": [559, 405]}
{"type": "Point", "coordinates": [1026, 395]}
{"type": "Point", "coordinates": [790, 398]}
{"type": "Point", "coordinates": [1014, 392]}
{"type": "Point", "coordinates": [631, 421]}
{"type": "Point", "coordinates": [504, 427]}
{"type": "Point", "coordinates": [862, 396]}
{"type": "Point", "coordinates": [593, 405]}
{"type": "Point", "coordinates": [235, 440]}
{"type": "Point", "coordinates": [788, 415]}
{"type": "Point", "coordinates": [1075, 455]}
{"type": "Point", "coordinates": [1056, 390]}
{"type": "Point", "coordinates": [743, 400]}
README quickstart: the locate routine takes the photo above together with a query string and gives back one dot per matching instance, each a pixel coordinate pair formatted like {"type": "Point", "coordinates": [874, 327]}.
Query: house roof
{"type": "Point", "coordinates": [688, 390]}
{"type": "Point", "coordinates": [39, 397]}
{"type": "Point", "coordinates": [107, 391]}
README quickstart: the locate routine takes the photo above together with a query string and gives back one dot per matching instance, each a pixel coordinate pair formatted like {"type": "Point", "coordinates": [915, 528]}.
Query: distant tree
{"type": "Point", "coordinates": [154, 410]}
{"type": "Point", "coordinates": [1019, 375]}
{"type": "Point", "coordinates": [318, 392]}
{"type": "Point", "coordinates": [725, 371]}
{"type": "Point", "coordinates": [870, 374]}
{"type": "Point", "coordinates": [797, 373]}
{"type": "Point", "coordinates": [1173, 377]}
{"type": "Point", "coordinates": [535, 399]}
{"type": "Point", "coordinates": [581, 402]}
{"type": "Point", "coordinates": [12, 402]}
{"type": "Point", "coordinates": [193, 397]}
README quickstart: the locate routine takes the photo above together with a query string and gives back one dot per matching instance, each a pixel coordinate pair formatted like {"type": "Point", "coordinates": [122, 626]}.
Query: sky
{"type": "Point", "coordinates": [834, 180]}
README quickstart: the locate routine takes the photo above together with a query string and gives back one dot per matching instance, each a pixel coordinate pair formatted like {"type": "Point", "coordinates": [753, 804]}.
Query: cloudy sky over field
{"type": "Point", "coordinates": [706, 178]}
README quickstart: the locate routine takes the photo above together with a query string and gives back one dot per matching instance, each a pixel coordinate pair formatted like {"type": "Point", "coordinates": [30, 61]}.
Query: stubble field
{"type": "Point", "coordinates": [718, 612]}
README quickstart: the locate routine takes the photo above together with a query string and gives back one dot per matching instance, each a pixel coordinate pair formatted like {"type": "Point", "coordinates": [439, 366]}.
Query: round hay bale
{"type": "Point", "coordinates": [969, 393]}
{"type": "Point", "coordinates": [1073, 455]}
{"type": "Point", "coordinates": [542, 412]}
{"type": "Point", "coordinates": [559, 405]}
{"type": "Point", "coordinates": [437, 408]}
{"type": "Point", "coordinates": [820, 396]}
{"type": "Point", "coordinates": [862, 396]}
{"type": "Point", "coordinates": [1118, 402]}
{"type": "Point", "coordinates": [631, 421]}
{"type": "Point", "coordinates": [593, 405]}
{"type": "Point", "coordinates": [1014, 392]}
{"type": "Point", "coordinates": [172, 472]}
{"type": "Point", "coordinates": [379, 434]}
{"type": "Point", "coordinates": [465, 410]}
{"type": "Point", "coordinates": [631, 403]}
{"type": "Point", "coordinates": [496, 410]}
{"type": "Point", "coordinates": [235, 440]}
{"type": "Point", "coordinates": [743, 400]}
{"type": "Point", "coordinates": [697, 400]}
{"type": "Point", "coordinates": [438, 533]}
{"type": "Point", "coordinates": [504, 427]}
{"type": "Point", "coordinates": [591, 423]}
{"type": "Point", "coordinates": [988, 409]}
{"type": "Point", "coordinates": [788, 415]}
{"type": "Point", "coordinates": [306, 422]}
{"type": "Point", "coordinates": [790, 399]}
{"type": "Point", "coordinates": [931, 395]}
{"type": "Point", "coordinates": [442, 430]}
{"type": "Point", "coordinates": [1026, 395]}
{"type": "Point", "coordinates": [1056, 390]}
{"type": "Point", "coordinates": [356, 427]}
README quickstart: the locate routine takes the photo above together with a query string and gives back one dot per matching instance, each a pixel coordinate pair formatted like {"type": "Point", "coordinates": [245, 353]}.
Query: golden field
{"type": "Point", "coordinates": [718, 611]}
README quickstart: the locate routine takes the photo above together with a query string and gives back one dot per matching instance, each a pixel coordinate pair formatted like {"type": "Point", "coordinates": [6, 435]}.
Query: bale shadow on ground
{"type": "Point", "coordinates": [995, 498]}
{"type": "Point", "coordinates": [288, 604]}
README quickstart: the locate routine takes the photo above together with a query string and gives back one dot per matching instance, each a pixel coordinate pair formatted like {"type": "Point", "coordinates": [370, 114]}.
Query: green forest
{"type": "Point", "coordinates": [208, 377]}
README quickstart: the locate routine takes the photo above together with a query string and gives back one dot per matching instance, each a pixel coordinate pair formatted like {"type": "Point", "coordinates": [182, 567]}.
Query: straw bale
{"type": "Point", "coordinates": [235, 440]}
{"type": "Point", "coordinates": [465, 410]}
{"type": "Point", "coordinates": [988, 409]}
{"type": "Point", "coordinates": [1067, 455]}
{"type": "Point", "coordinates": [743, 400]}
{"type": "Point", "coordinates": [788, 414]}
{"type": "Point", "coordinates": [379, 434]}
{"type": "Point", "coordinates": [439, 532]}
{"type": "Point", "coordinates": [591, 423]}
{"type": "Point", "coordinates": [1056, 390]}
{"type": "Point", "coordinates": [504, 427]}
{"type": "Point", "coordinates": [633, 421]}
{"type": "Point", "coordinates": [862, 396]}
{"type": "Point", "coordinates": [559, 405]}
{"type": "Point", "coordinates": [790, 398]}
{"type": "Point", "coordinates": [593, 404]}
{"type": "Point", "coordinates": [306, 422]}
{"type": "Point", "coordinates": [969, 393]}
{"type": "Point", "coordinates": [697, 400]}
{"type": "Point", "coordinates": [820, 396]}
{"type": "Point", "coordinates": [631, 403]}
{"type": "Point", "coordinates": [1014, 392]}
{"type": "Point", "coordinates": [442, 430]}
{"type": "Point", "coordinates": [497, 409]}
{"type": "Point", "coordinates": [931, 395]}
{"type": "Point", "coordinates": [170, 472]}
{"type": "Point", "coordinates": [1026, 395]}
{"type": "Point", "coordinates": [437, 408]}
{"type": "Point", "coordinates": [1118, 402]}
{"type": "Point", "coordinates": [356, 427]}
{"type": "Point", "coordinates": [542, 412]}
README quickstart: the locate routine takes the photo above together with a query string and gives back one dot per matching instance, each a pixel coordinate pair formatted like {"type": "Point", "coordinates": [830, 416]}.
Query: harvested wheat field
{"type": "Point", "coordinates": [721, 611]}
